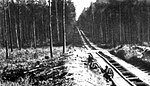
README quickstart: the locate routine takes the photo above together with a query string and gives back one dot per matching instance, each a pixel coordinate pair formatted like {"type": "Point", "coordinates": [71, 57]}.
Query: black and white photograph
{"type": "Point", "coordinates": [74, 42]}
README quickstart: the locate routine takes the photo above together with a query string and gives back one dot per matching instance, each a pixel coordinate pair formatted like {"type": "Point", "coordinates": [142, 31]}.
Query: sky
{"type": "Point", "coordinates": [80, 4]}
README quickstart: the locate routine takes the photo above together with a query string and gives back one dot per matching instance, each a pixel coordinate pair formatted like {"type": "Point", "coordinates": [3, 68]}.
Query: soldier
{"type": "Point", "coordinates": [108, 74]}
{"type": "Point", "coordinates": [93, 65]}
{"type": "Point", "coordinates": [90, 58]}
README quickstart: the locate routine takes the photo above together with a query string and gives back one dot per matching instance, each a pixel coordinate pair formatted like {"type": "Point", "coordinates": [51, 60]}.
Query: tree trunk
{"type": "Point", "coordinates": [20, 31]}
{"type": "Point", "coordinates": [148, 29]}
{"type": "Point", "coordinates": [92, 22]}
{"type": "Point", "coordinates": [138, 29]}
{"type": "Point", "coordinates": [16, 30]}
{"type": "Point", "coordinates": [3, 32]}
{"type": "Point", "coordinates": [6, 32]}
{"type": "Point", "coordinates": [34, 31]}
{"type": "Point", "coordinates": [58, 38]}
{"type": "Point", "coordinates": [43, 29]}
{"type": "Point", "coordinates": [10, 28]}
{"type": "Point", "coordinates": [101, 30]}
{"type": "Point", "coordinates": [50, 29]}
{"type": "Point", "coordinates": [120, 23]}
{"type": "Point", "coordinates": [107, 28]}
{"type": "Point", "coordinates": [3, 26]}
{"type": "Point", "coordinates": [64, 27]}
{"type": "Point", "coordinates": [19, 27]}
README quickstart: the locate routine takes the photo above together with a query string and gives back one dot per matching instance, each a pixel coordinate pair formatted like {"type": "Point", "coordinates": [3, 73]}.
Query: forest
{"type": "Point", "coordinates": [41, 43]}
{"type": "Point", "coordinates": [26, 23]}
{"type": "Point", "coordinates": [117, 22]}
{"type": "Point", "coordinates": [34, 37]}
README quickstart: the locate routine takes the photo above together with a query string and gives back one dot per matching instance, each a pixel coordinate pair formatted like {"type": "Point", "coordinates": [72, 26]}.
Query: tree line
{"type": "Point", "coordinates": [25, 23]}
{"type": "Point", "coordinates": [117, 22]}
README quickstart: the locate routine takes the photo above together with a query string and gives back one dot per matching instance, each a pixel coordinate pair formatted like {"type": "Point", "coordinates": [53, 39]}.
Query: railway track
{"type": "Point", "coordinates": [122, 71]}
{"type": "Point", "coordinates": [87, 42]}
{"type": "Point", "coordinates": [128, 77]}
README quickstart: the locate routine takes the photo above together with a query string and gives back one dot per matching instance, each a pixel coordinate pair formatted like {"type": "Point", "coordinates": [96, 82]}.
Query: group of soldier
{"type": "Point", "coordinates": [107, 72]}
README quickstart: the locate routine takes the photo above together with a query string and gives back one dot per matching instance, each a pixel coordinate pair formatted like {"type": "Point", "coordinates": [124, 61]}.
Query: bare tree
{"type": "Point", "coordinates": [5, 26]}
{"type": "Point", "coordinates": [120, 24]}
{"type": "Point", "coordinates": [57, 20]}
{"type": "Point", "coordinates": [10, 28]}
{"type": "Point", "coordinates": [34, 31]}
{"type": "Point", "coordinates": [50, 28]}
{"type": "Point", "coordinates": [64, 27]}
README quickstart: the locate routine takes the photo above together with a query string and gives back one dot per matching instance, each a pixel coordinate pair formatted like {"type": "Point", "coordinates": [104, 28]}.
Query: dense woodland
{"type": "Point", "coordinates": [26, 23]}
{"type": "Point", "coordinates": [117, 22]}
